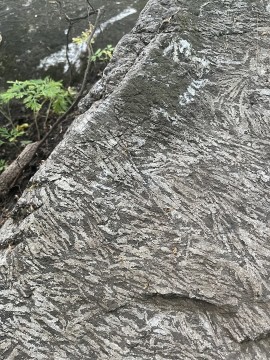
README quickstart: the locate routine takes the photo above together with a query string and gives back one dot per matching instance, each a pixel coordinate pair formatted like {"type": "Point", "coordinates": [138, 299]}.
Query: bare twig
{"type": "Point", "coordinates": [71, 22]}
{"type": "Point", "coordinates": [80, 93]}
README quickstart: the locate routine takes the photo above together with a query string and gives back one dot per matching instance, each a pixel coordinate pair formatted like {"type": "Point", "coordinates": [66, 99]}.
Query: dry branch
{"type": "Point", "coordinates": [11, 174]}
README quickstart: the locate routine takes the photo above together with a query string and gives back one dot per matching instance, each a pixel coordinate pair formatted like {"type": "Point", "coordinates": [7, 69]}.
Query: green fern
{"type": "Point", "coordinates": [35, 93]}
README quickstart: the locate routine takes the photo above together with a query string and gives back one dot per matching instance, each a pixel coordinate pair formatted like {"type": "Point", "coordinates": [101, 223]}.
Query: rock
{"type": "Point", "coordinates": [145, 235]}
{"type": "Point", "coordinates": [34, 35]}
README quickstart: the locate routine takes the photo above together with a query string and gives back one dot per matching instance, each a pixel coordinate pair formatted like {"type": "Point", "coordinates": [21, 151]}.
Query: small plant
{"type": "Point", "coordinates": [12, 135]}
{"type": "Point", "coordinates": [84, 36]}
{"type": "Point", "coordinates": [103, 55]}
{"type": "Point", "coordinates": [3, 165]}
{"type": "Point", "coordinates": [35, 95]}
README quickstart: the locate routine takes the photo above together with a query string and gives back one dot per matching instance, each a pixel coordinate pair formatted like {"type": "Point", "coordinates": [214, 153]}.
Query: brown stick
{"type": "Point", "coordinates": [11, 174]}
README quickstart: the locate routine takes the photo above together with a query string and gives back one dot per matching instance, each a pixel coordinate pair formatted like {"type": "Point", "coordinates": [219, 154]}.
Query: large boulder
{"type": "Point", "coordinates": [145, 235]}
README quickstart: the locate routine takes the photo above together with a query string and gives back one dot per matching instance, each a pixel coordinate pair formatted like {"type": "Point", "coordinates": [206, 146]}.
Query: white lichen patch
{"type": "Point", "coordinates": [263, 176]}
{"type": "Point", "coordinates": [192, 89]}
{"type": "Point", "coordinates": [183, 48]}
{"type": "Point", "coordinates": [202, 61]}
{"type": "Point", "coordinates": [138, 141]}
{"type": "Point", "coordinates": [172, 49]}
{"type": "Point", "coordinates": [157, 112]}
{"type": "Point", "coordinates": [175, 49]}
{"type": "Point", "coordinates": [112, 142]}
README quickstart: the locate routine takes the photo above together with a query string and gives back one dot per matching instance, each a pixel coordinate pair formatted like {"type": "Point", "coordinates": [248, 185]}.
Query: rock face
{"type": "Point", "coordinates": [146, 233]}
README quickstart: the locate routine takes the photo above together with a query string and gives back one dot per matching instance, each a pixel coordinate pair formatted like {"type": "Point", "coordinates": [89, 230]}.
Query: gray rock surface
{"type": "Point", "coordinates": [146, 233]}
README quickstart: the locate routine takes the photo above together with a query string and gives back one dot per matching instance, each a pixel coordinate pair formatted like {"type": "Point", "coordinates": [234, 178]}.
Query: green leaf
{"type": "Point", "coordinates": [35, 94]}
{"type": "Point", "coordinates": [103, 54]}
{"type": "Point", "coordinates": [3, 165]}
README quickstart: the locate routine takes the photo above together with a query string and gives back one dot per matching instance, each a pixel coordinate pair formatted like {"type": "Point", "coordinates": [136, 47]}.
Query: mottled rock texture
{"type": "Point", "coordinates": [146, 233]}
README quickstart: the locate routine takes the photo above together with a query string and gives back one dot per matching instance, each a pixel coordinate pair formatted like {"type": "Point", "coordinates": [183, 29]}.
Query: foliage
{"type": "Point", "coordinates": [84, 36]}
{"type": "Point", "coordinates": [12, 135]}
{"type": "Point", "coordinates": [103, 54]}
{"type": "Point", "coordinates": [3, 165]}
{"type": "Point", "coordinates": [43, 97]}
{"type": "Point", "coordinates": [35, 93]}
